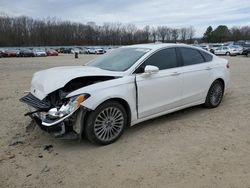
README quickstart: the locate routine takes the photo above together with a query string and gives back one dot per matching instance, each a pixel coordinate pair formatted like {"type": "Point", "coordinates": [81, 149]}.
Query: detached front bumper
{"type": "Point", "coordinates": [69, 126]}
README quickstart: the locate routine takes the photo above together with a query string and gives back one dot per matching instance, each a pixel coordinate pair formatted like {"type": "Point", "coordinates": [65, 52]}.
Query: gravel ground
{"type": "Point", "coordinates": [195, 147]}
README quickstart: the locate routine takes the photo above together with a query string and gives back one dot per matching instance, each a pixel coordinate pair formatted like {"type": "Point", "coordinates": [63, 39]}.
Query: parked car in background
{"type": "Point", "coordinates": [26, 53]}
{"type": "Point", "coordinates": [246, 52]}
{"type": "Point", "coordinates": [126, 86]}
{"type": "Point", "coordinates": [212, 47]}
{"type": "Point", "coordinates": [60, 50]}
{"type": "Point", "coordinates": [11, 53]}
{"type": "Point", "coordinates": [95, 51]}
{"type": "Point", "coordinates": [38, 52]}
{"type": "Point", "coordinates": [1, 53]}
{"type": "Point", "coordinates": [90, 50]}
{"type": "Point", "coordinates": [246, 46]}
{"type": "Point", "coordinates": [241, 43]}
{"type": "Point", "coordinates": [205, 47]}
{"type": "Point", "coordinates": [51, 52]}
{"type": "Point", "coordinates": [225, 50]}
{"type": "Point", "coordinates": [77, 50]}
{"type": "Point", "coordinates": [238, 48]}
{"type": "Point", "coordinates": [80, 50]}
{"type": "Point", "coordinates": [66, 50]}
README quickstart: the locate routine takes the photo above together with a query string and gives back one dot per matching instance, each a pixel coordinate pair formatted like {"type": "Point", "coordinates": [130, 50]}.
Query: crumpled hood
{"type": "Point", "coordinates": [47, 81]}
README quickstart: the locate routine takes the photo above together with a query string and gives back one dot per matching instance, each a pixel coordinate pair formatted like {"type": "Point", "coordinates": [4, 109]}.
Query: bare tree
{"type": "Point", "coordinates": [190, 33]}
{"type": "Point", "coordinates": [153, 32]}
{"type": "Point", "coordinates": [175, 34]}
{"type": "Point", "coordinates": [146, 33]}
{"type": "Point", "coordinates": [162, 32]}
{"type": "Point", "coordinates": [25, 31]}
{"type": "Point", "coordinates": [183, 34]}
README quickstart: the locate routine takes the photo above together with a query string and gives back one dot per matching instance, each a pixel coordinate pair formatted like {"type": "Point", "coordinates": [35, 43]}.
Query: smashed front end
{"type": "Point", "coordinates": [58, 115]}
{"type": "Point", "coordinates": [51, 102]}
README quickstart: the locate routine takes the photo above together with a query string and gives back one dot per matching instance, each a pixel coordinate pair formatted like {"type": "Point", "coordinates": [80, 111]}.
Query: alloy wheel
{"type": "Point", "coordinates": [216, 94]}
{"type": "Point", "coordinates": [108, 124]}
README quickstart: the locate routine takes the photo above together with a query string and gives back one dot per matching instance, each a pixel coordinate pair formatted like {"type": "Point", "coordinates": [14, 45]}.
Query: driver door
{"type": "Point", "coordinates": [161, 91]}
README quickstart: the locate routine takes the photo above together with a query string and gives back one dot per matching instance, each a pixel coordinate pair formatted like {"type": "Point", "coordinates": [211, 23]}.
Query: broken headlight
{"type": "Point", "coordinates": [68, 108]}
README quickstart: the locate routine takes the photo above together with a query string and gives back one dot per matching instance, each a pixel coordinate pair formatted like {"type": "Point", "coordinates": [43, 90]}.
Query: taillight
{"type": "Point", "coordinates": [228, 66]}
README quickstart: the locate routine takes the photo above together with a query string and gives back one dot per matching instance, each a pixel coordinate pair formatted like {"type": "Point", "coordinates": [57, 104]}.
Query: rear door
{"type": "Point", "coordinates": [160, 91]}
{"type": "Point", "coordinates": [196, 74]}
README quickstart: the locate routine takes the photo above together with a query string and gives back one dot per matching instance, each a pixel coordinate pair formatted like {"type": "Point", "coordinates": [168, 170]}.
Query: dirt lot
{"type": "Point", "coordinates": [195, 147]}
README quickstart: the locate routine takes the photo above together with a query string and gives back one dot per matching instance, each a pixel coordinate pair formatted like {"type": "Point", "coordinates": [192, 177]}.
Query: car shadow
{"type": "Point", "coordinates": [136, 130]}
{"type": "Point", "coordinates": [164, 119]}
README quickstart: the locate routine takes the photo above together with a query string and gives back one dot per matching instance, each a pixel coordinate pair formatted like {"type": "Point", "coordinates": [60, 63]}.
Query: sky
{"type": "Point", "coordinates": [172, 13]}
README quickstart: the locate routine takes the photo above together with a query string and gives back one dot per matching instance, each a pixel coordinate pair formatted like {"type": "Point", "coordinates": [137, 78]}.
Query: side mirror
{"type": "Point", "coordinates": [150, 69]}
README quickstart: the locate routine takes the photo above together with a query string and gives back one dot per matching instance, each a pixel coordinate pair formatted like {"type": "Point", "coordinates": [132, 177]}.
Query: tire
{"type": "Point", "coordinates": [248, 54]}
{"type": "Point", "coordinates": [214, 95]}
{"type": "Point", "coordinates": [228, 53]}
{"type": "Point", "coordinates": [106, 124]}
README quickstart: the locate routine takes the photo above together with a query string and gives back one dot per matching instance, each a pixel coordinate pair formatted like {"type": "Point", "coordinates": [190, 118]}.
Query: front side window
{"type": "Point", "coordinates": [120, 59]}
{"type": "Point", "coordinates": [164, 59]}
{"type": "Point", "coordinates": [191, 56]}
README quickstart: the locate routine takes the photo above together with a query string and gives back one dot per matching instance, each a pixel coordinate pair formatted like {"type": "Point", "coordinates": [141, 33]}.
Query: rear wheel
{"type": "Point", "coordinates": [106, 124]}
{"type": "Point", "coordinates": [215, 94]}
{"type": "Point", "coordinates": [248, 54]}
{"type": "Point", "coordinates": [228, 53]}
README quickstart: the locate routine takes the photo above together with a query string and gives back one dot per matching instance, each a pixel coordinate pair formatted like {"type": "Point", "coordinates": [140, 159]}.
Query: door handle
{"type": "Point", "coordinates": [175, 74]}
{"type": "Point", "coordinates": [208, 68]}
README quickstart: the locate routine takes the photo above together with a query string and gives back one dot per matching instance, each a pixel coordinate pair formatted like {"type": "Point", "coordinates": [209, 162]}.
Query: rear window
{"type": "Point", "coordinates": [191, 56]}
{"type": "Point", "coordinates": [206, 56]}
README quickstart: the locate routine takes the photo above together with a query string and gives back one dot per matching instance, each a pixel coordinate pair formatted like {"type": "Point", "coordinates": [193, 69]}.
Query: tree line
{"type": "Point", "coordinates": [26, 31]}
{"type": "Point", "coordinates": [223, 34]}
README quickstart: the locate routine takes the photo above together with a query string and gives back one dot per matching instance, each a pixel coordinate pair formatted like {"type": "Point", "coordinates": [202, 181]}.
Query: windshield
{"type": "Point", "coordinates": [120, 59]}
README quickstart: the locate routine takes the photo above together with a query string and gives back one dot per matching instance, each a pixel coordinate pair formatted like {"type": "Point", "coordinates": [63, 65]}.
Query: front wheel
{"type": "Point", "coordinates": [106, 124]}
{"type": "Point", "coordinates": [214, 95]}
{"type": "Point", "coordinates": [228, 53]}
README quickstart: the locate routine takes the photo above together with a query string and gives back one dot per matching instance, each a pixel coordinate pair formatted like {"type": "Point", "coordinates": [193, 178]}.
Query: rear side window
{"type": "Point", "coordinates": [206, 56]}
{"type": "Point", "coordinates": [164, 59]}
{"type": "Point", "coordinates": [191, 56]}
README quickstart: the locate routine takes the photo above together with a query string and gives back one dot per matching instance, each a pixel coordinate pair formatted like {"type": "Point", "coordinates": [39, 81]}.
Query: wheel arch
{"type": "Point", "coordinates": [213, 80]}
{"type": "Point", "coordinates": [121, 101]}
{"type": "Point", "coordinates": [221, 80]}
{"type": "Point", "coordinates": [207, 102]}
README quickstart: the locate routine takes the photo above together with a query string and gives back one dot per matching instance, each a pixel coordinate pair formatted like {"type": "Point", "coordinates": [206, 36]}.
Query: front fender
{"type": "Point", "coordinates": [122, 88]}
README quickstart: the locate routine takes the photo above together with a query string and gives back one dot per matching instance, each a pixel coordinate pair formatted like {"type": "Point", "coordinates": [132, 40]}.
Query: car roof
{"type": "Point", "coordinates": [155, 46]}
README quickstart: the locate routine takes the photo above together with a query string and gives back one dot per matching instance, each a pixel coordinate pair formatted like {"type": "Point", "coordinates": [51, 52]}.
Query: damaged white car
{"type": "Point", "coordinates": [124, 87]}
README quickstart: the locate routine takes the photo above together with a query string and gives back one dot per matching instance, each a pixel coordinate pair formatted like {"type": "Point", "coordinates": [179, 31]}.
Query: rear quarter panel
{"type": "Point", "coordinates": [220, 70]}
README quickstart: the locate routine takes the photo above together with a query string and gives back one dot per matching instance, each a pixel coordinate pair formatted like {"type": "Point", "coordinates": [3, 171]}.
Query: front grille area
{"type": "Point", "coordinates": [35, 102]}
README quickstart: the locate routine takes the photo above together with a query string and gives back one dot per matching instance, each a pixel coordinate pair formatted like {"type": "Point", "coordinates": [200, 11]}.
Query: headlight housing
{"type": "Point", "coordinates": [70, 107]}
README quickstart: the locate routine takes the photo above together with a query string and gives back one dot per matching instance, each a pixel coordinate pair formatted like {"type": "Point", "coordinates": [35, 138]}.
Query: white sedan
{"type": "Point", "coordinates": [124, 87]}
{"type": "Point", "coordinates": [226, 50]}
{"type": "Point", "coordinates": [95, 51]}
{"type": "Point", "coordinates": [39, 52]}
